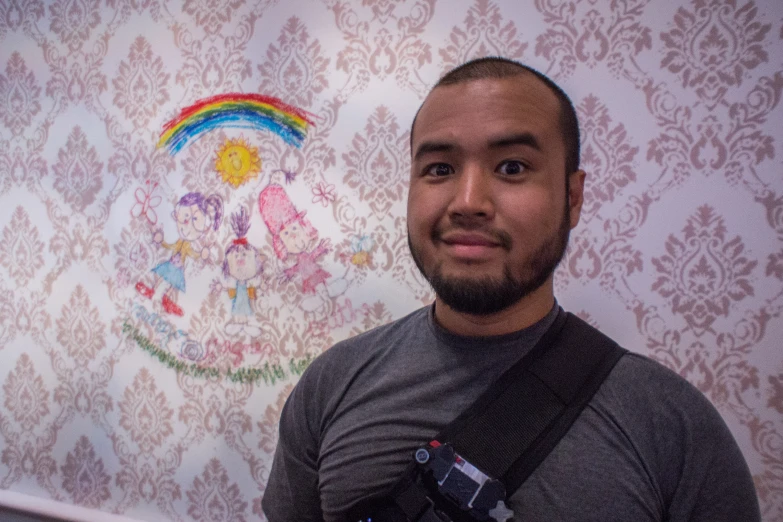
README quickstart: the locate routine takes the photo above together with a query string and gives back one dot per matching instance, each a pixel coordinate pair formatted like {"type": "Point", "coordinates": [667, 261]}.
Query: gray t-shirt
{"type": "Point", "coordinates": [648, 447]}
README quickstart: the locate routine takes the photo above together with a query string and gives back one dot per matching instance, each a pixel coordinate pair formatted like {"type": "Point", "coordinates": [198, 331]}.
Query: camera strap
{"type": "Point", "coordinates": [520, 418]}
{"type": "Point", "coordinates": [488, 451]}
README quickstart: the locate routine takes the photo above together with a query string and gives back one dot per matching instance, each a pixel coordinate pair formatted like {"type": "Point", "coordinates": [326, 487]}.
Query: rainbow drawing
{"type": "Point", "coordinates": [239, 111]}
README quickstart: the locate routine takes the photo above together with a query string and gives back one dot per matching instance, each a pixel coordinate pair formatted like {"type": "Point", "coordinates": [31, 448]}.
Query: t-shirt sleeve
{"type": "Point", "coordinates": [694, 458]}
{"type": "Point", "coordinates": [292, 489]}
{"type": "Point", "coordinates": [716, 485]}
{"type": "Point", "coordinates": [727, 493]}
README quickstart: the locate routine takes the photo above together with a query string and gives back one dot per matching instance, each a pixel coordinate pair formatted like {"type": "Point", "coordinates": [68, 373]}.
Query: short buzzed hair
{"type": "Point", "coordinates": [495, 67]}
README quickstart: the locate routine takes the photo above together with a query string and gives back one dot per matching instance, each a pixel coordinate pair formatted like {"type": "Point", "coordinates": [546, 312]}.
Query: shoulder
{"type": "Point", "coordinates": [652, 404]}
{"type": "Point", "coordinates": [677, 434]}
{"type": "Point", "coordinates": [333, 372]}
{"type": "Point", "coordinates": [649, 446]}
{"type": "Point", "coordinates": [641, 388]}
{"type": "Point", "coordinates": [354, 352]}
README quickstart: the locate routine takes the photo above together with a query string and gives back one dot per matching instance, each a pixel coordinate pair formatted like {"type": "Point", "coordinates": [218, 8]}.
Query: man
{"type": "Point", "coordinates": [494, 191]}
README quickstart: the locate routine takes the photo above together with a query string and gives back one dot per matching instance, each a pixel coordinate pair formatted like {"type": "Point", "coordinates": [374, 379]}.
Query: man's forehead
{"type": "Point", "coordinates": [500, 98]}
{"type": "Point", "coordinates": [524, 86]}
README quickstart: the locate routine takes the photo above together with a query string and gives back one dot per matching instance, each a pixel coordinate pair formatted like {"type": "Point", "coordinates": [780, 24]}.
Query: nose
{"type": "Point", "coordinates": [473, 197]}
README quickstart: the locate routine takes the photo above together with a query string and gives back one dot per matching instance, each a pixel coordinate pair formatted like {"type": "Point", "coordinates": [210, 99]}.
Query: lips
{"type": "Point", "coordinates": [467, 239]}
{"type": "Point", "coordinates": [470, 236]}
{"type": "Point", "coordinates": [470, 246]}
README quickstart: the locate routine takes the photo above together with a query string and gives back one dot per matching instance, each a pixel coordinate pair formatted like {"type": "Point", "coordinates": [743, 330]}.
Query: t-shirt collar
{"type": "Point", "coordinates": [525, 336]}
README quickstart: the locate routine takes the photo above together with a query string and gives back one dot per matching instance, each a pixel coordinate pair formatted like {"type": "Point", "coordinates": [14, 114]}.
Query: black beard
{"type": "Point", "coordinates": [487, 295]}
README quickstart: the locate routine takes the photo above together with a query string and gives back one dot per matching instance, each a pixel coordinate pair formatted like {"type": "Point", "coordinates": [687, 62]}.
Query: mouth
{"type": "Point", "coordinates": [471, 245]}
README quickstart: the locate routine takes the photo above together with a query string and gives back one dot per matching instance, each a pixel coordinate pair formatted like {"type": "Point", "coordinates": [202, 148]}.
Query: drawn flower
{"type": "Point", "coordinates": [192, 351]}
{"type": "Point", "coordinates": [324, 194]}
{"type": "Point", "coordinates": [146, 203]}
{"type": "Point", "coordinates": [360, 259]}
{"type": "Point", "coordinates": [361, 246]}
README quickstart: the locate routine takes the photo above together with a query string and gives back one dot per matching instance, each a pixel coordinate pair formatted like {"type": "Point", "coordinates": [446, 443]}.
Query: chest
{"type": "Point", "coordinates": [593, 473]}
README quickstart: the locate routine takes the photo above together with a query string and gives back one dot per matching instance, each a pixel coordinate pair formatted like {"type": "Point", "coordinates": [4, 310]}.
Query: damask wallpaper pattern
{"type": "Point", "coordinates": [120, 401]}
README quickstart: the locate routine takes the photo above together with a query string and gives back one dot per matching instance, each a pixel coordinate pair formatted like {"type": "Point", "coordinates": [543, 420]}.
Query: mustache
{"type": "Point", "coordinates": [502, 237]}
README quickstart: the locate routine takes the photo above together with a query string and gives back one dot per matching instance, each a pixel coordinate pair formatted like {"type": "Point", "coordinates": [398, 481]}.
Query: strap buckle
{"type": "Point", "coordinates": [461, 484]}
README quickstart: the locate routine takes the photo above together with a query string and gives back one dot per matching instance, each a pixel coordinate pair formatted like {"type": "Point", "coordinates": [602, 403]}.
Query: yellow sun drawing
{"type": "Point", "coordinates": [237, 162]}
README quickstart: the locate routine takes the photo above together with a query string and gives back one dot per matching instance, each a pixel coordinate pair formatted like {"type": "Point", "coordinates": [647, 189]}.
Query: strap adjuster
{"type": "Point", "coordinates": [461, 483]}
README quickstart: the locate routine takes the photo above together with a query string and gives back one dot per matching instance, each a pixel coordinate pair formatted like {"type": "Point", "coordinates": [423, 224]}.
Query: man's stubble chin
{"type": "Point", "coordinates": [487, 295]}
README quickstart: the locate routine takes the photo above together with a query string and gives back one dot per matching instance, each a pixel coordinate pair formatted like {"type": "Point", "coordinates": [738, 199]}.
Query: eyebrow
{"type": "Point", "coordinates": [524, 138]}
{"type": "Point", "coordinates": [432, 146]}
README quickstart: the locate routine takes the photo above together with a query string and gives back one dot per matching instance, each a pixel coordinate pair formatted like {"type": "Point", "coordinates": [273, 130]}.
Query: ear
{"type": "Point", "coordinates": [576, 196]}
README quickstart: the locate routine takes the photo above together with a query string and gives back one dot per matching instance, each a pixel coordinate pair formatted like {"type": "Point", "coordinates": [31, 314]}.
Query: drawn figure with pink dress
{"type": "Point", "coordinates": [194, 214]}
{"type": "Point", "coordinates": [242, 267]}
{"type": "Point", "coordinates": [297, 245]}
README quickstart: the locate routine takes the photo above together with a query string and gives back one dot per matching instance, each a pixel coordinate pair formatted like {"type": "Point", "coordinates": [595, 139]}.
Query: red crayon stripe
{"type": "Point", "coordinates": [277, 103]}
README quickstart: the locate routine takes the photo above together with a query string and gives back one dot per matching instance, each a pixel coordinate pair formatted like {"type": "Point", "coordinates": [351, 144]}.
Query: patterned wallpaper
{"type": "Point", "coordinates": [157, 306]}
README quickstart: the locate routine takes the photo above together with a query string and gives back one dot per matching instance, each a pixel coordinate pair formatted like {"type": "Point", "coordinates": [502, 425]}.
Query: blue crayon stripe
{"type": "Point", "coordinates": [237, 119]}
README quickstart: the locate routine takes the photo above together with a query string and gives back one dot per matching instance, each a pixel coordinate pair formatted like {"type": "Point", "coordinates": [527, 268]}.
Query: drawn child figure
{"type": "Point", "coordinates": [194, 215]}
{"type": "Point", "coordinates": [243, 264]}
{"type": "Point", "coordinates": [295, 242]}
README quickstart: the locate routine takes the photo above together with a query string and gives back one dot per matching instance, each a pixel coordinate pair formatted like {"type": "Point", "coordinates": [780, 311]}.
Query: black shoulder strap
{"type": "Point", "coordinates": [511, 428]}
{"type": "Point", "coordinates": [514, 425]}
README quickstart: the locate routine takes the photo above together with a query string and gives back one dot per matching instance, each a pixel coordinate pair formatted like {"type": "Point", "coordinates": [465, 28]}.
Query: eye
{"type": "Point", "coordinates": [438, 170]}
{"type": "Point", "coordinates": [511, 168]}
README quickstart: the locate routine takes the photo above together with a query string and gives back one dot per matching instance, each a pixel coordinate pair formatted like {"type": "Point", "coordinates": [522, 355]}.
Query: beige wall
{"type": "Point", "coordinates": [678, 254]}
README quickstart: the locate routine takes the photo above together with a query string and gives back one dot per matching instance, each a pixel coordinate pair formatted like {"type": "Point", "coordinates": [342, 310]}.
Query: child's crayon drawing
{"type": "Point", "coordinates": [195, 214]}
{"type": "Point", "coordinates": [242, 267]}
{"type": "Point", "coordinates": [297, 245]}
{"type": "Point", "coordinates": [236, 110]}
{"type": "Point", "coordinates": [237, 162]}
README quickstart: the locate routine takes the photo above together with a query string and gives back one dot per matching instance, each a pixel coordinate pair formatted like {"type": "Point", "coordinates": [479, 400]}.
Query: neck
{"type": "Point", "coordinates": [525, 312]}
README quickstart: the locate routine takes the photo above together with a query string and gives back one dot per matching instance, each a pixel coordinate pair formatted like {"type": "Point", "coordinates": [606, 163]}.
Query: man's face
{"type": "Point", "coordinates": [489, 211]}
